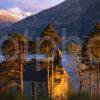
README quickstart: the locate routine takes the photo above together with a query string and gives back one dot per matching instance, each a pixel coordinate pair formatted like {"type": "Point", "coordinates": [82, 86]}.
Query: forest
{"type": "Point", "coordinates": [45, 77]}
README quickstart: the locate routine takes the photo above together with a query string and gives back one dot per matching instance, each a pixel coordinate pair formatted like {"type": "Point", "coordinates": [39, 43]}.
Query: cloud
{"type": "Point", "coordinates": [38, 5]}
{"type": "Point", "coordinates": [27, 13]}
{"type": "Point", "coordinates": [18, 12]}
{"type": "Point", "coordinates": [15, 10]}
{"type": "Point", "coordinates": [34, 6]}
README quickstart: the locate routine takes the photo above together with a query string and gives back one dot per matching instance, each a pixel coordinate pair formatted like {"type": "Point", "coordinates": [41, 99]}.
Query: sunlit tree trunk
{"type": "Point", "coordinates": [21, 68]}
{"type": "Point", "coordinates": [98, 80]}
{"type": "Point", "coordinates": [90, 83]}
{"type": "Point", "coordinates": [21, 78]}
{"type": "Point", "coordinates": [52, 74]}
{"type": "Point", "coordinates": [47, 50]}
{"type": "Point", "coordinates": [80, 87]}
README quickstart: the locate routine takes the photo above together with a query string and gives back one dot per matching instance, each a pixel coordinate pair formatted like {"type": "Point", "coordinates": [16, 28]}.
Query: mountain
{"type": "Point", "coordinates": [7, 19]}
{"type": "Point", "coordinates": [77, 16]}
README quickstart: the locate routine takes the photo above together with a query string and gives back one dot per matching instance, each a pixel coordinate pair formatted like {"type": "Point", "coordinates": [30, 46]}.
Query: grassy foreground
{"type": "Point", "coordinates": [74, 96]}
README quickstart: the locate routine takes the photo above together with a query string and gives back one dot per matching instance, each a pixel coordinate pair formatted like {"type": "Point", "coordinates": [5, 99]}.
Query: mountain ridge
{"type": "Point", "coordinates": [6, 19]}
{"type": "Point", "coordinates": [77, 16]}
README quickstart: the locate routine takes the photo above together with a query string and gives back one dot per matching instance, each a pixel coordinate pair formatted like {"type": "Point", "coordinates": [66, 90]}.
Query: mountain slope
{"type": "Point", "coordinates": [6, 19]}
{"type": "Point", "coordinates": [77, 16]}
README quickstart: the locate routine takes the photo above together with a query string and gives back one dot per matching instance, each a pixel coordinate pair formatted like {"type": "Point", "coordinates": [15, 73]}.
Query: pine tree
{"type": "Point", "coordinates": [91, 55]}
{"type": "Point", "coordinates": [54, 38]}
{"type": "Point", "coordinates": [50, 31]}
{"type": "Point", "coordinates": [18, 48]}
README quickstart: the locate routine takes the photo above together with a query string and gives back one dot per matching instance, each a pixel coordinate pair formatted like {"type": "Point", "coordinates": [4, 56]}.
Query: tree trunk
{"type": "Point", "coordinates": [98, 88]}
{"type": "Point", "coordinates": [21, 78]}
{"type": "Point", "coordinates": [52, 76]}
{"type": "Point", "coordinates": [21, 68]}
{"type": "Point", "coordinates": [48, 78]}
{"type": "Point", "coordinates": [80, 87]}
{"type": "Point", "coordinates": [90, 84]}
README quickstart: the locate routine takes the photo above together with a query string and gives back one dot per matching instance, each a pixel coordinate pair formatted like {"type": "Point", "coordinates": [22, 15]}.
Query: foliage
{"type": "Point", "coordinates": [91, 45]}
{"type": "Point", "coordinates": [52, 39]}
{"type": "Point", "coordinates": [8, 48]}
{"type": "Point", "coordinates": [13, 68]}
{"type": "Point", "coordinates": [50, 31]}
{"type": "Point", "coordinates": [9, 75]}
{"type": "Point", "coordinates": [74, 48]}
{"type": "Point", "coordinates": [11, 47]}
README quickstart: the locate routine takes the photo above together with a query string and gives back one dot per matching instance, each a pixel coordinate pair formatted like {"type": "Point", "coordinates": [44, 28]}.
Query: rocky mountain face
{"type": "Point", "coordinates": [77, 16]}
{"type": "Point", "coordinates": [7, 19]}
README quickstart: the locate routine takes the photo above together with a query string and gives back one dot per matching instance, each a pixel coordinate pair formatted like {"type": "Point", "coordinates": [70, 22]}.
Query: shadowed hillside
{"type": "Point", "coordinates": [78, 16]}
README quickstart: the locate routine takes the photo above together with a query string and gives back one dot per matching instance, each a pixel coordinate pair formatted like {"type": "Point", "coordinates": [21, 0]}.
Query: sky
{"type": "Point", "coordinates": [27, 7]}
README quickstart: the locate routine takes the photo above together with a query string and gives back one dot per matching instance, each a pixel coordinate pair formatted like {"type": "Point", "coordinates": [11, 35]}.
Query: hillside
{"type": "Point", "coordinates": [77, 16]}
